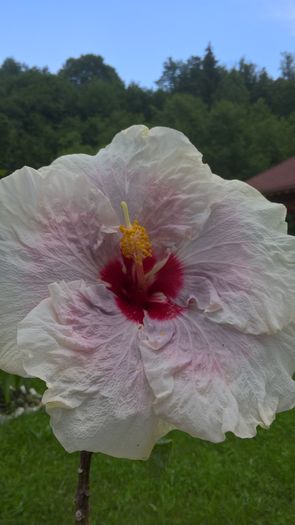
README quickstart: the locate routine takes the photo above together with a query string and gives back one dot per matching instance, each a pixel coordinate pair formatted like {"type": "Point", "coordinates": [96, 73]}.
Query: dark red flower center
{"type": "Point", "coordinates": [154, 295]}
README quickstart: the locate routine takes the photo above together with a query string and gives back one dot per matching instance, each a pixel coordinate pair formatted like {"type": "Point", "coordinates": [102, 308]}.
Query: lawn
{"type": "Point", "coordinates": [186, 481]}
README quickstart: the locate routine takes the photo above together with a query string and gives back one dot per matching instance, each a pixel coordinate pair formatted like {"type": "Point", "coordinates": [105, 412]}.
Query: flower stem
{"type": "Point", "coordinates": [82, 494]}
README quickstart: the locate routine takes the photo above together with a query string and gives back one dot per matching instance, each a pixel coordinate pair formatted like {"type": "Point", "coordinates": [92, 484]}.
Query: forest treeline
{"type": "Point", "coordinates": [241, 118]}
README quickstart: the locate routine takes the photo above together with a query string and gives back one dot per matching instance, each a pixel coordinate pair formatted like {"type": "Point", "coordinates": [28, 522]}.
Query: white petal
{"type": "Point", "coordinates": [209, 379]}
{"type": "Point", "coordinates": [160, 175]}
{"type": "Point", "coordinates": [52, 227]}
{"type": "Point", "coordinates": [87, 352]}
{"type": "Point", "coordinates": [241, 269]}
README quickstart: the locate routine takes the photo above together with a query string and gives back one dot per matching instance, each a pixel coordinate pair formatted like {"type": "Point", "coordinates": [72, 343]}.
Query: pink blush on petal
{"type": "Point", "coordinates": [164, 311]}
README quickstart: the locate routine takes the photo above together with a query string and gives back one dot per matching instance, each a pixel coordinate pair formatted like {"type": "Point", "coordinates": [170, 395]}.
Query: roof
{"type": "Point", "coordinates": [280, 178]}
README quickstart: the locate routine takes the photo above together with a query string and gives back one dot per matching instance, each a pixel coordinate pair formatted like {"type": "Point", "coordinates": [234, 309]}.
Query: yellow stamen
{"type": "Point", "coordinates": [135, 243]}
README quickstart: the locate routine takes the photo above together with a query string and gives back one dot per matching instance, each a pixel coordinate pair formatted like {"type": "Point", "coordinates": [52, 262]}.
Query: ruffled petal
{"type": "Point", "coordinates": [53, 227]}
{"type": "Point", "coordinates": [241, 269]}
{"type": "Point", "coordinates": [209, 379]}
{"type": "Point", "coordinates": [98, 396]}
{"type": "Point", "coordinates": [160, 175]}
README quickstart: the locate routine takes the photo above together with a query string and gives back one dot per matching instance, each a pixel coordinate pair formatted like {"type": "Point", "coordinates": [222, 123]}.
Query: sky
{"type": "Point", "coordinates": [136, 37]}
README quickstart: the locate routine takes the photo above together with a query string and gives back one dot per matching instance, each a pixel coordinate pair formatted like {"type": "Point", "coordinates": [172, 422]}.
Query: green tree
{"type": "Point", "coordinates": [169, 80]}
{"type": "Point", "coordinates": [186, 113]}
{"type": "Point", "coordinates": [211, 76]}
{"type": "Point", "coordinates": [87, 68]}
{"type": "Point", "coordinates": [287, 65]}
{"type": "Point", "coordinates": [232, 87]}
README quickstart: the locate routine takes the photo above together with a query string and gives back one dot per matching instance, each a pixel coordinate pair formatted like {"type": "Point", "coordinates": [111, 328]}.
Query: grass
{"type": "Point", "coordinates": [185, 482]}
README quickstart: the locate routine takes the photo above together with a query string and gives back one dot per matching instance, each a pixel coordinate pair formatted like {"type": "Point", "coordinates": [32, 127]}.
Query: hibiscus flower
{"type": "Point", "coordinates": [148, 293]}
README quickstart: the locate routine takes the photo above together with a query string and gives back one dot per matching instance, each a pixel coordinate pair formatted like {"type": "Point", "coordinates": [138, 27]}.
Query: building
{"type": "Point", "coordinates": [278, 184]}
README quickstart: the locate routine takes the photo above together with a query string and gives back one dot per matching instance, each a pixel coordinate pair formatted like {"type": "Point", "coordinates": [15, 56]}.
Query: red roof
{"type": "Point", "coordinates": [280, 178]}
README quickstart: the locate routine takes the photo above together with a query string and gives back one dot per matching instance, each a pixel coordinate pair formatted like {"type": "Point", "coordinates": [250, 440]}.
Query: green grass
{"type": "Point", "coordinates": [188, 482]}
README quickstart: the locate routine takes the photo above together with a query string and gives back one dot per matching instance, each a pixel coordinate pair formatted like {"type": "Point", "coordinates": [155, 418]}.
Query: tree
{"type": "Point", "coordinates": [197, 76]}
{"type": "Point", "coordinates": [169, 80]}
{"type": "Point", "coordinates": [231, 87]}
{"type": "Point", "coordinates": [211, 76]}
{"type": "Point", "coordinates": [282, 96]}
{"type": "Point", "coordinates": [100, 97]}
{"type": "Point", "coordinates": [287, 65]}
{"type": "Point", "coordinates": [248, 73]}
{"type": "Point", "coordinates": [87, 68]}
{"type": "Point", "coordinates": [11, 67]}
{"type": "Point", "coordinates": [139, 100]}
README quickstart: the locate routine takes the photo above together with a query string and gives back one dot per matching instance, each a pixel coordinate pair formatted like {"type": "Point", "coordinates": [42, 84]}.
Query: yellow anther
{"type": "Point", "coordinates": [135, 243]}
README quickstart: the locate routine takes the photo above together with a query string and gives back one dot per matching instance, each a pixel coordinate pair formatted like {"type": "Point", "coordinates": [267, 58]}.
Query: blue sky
{"type": "Point", "coordinates": [137, 37]}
